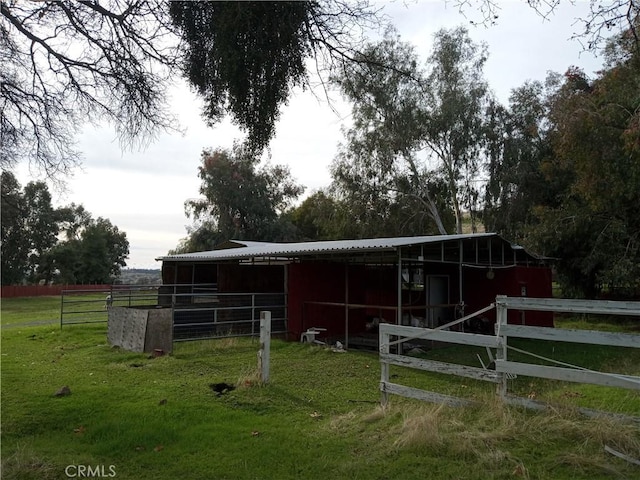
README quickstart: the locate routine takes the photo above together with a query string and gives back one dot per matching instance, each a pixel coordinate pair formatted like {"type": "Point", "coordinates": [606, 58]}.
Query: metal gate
{"type": "Point", "coordinates": [198, 316]}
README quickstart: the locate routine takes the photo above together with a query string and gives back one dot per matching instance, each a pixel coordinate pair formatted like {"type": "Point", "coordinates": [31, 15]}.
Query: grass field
{"type": "Point", "coordinates": [133, 417]}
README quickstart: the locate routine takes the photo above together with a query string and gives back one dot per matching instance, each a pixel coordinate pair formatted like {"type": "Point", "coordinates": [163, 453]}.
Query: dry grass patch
{"type": "Point", "coordinates": [423, 426]}
{"type": "Point", "coordinates": [250, 377]}
{"type": "Point", "coordinates": [498, 437]}
{"type": "Point", "coordinates": [24, 463]}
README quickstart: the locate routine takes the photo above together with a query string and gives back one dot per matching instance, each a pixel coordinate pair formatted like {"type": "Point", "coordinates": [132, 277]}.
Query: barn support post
{"type": "Point", "coordinates": [346, 305]}
{"type": "Point", "coordinates": [399, 304]}
{"type": "Point", "coordinates": [285, 289]}
{"type": "Point", "coordinates": [264, 356]}
{"type": "Point", "coordinates": [460, 261]}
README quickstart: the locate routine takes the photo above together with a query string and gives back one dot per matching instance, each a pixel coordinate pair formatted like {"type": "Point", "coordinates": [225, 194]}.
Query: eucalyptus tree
{"type": "Point", "coordinates": [418, 134]}
{"type": "Point", "coordinates": [40, 224]}
{"type": "Point", "coordinates": [29, 228]}
{"type": "Point", "coordinates": [15, 242]}
{"type": "Point", "coordinates": [95, 252]}
{"type": "Point", "coordinates": [519, 144]}
{"type": "Point", "coordinates": [321, 216]}
{"type": "Point", "coordinates": [456, 102]}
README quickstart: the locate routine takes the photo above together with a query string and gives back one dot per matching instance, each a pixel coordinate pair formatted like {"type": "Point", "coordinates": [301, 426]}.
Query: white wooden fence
{"type": "Point", "coordinates": [504, 368]}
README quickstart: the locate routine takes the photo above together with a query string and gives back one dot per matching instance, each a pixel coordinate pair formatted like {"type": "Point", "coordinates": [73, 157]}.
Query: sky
{"type": "Point", "coordinates": [143, 192]}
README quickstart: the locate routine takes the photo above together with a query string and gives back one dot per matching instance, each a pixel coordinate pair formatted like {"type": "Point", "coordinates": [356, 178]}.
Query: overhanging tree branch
{"type": "Point", "coordinates": [66, 63]}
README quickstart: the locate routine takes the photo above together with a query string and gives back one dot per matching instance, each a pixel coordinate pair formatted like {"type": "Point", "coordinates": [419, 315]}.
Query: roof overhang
{"type": "Point", "coordinates": [345, 250]}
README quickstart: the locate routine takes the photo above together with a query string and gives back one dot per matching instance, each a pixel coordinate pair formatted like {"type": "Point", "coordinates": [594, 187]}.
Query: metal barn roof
{"type": "Point", "coordinates": [238, 249]}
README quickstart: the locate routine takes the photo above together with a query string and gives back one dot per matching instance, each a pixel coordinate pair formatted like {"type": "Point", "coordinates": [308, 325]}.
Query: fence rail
{"type": "Point", "coordinates": [573, 373]}
{"type": "Point", "coordinates": [404, 334]}
{"type": "Point", "coordinates": [505, 368]}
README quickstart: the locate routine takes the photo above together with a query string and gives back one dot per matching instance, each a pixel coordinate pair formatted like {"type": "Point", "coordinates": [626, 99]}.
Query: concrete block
{"type": "Point", "coordinates": [140, 329]}
{"type": "Point", "coordinates": [159, 331]}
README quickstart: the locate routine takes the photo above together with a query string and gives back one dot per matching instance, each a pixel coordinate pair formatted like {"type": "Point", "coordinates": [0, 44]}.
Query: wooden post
{"type": "Point", "coordinates": [399, 303]}
{"type": "Point", "coordinates": [501, 354]}
{"type": "Point", "coordinates": [384, 366]}
{"type": "Point", "coordinates": [346, 305]}
{"type": "Point", "coordinates": [265, 346]}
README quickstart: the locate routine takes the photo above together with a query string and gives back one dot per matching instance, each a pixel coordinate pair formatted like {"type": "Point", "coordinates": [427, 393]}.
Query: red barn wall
{"type": "Point", "coordinates": [518, 281]}
{"type": "Point", "coordinates": [325, 282]}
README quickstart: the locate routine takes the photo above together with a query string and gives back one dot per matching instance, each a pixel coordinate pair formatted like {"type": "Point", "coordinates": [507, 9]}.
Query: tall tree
{"type": "Point", "coordinates": [41, 223]}
{"type": "Point", "coordinates": [94, 253]}
{"type": "Point", "coordinates": [322, 217]}
{"type": "Point", "coordinates": [29, 228]}
{"type": "Point", "coordinates": [597, 139]}
{"type": "Point", "coordinates": [519, 146]}
{"type": "Point", "coordinates": [594, 229]}
{"type": "Point", "coordinates": [103, 251]}
{"type": "Point", "coordinates": [15, 242]}
{"type": "Point", "coordinates": [418, 135]}
{"type": "Point", "coordinates": [241, 199]}
{"type": "Point", "coordinates": [456, 101]}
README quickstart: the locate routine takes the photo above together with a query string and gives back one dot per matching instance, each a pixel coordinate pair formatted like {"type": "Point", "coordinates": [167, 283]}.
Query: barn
{"type": "Point", "coordinates": [347, 287]}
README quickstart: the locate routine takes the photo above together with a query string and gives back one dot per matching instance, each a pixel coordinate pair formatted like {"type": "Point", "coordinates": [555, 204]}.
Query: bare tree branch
{"type": "Point", "coordinates": [67, 63]}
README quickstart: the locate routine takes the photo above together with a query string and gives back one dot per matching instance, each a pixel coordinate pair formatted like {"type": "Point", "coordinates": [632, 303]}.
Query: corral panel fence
{"type": "Point", "coordinates": [82, 306]}
{"type": "Point", "coordinates": [198, 316]}
{"type": "Point", "coordinates": [506, 369]}
{"type": "Point", "coordinates": [198, 310]}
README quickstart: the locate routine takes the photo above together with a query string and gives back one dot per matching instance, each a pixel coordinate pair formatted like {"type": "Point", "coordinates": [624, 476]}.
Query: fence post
{"type": "Point", "coordinates": [384, 366]}
{"type": "Point", "coordinates": [265, 346]}
{"type": "Point", "coordinates": [253, 314]}
{"type": "Point", "coordinates": [61, 308]}
{"type": "Point", "coordinates": [501, 354]}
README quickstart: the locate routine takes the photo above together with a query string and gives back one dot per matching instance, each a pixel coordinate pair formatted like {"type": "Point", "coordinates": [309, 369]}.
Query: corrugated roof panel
{"type": "Point", "coordinates": [273, 250]}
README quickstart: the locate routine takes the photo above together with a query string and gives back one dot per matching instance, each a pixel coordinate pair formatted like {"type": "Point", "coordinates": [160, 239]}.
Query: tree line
{"type": "Point", "coordinates": [430, 148]}
{"type": "Point", "coordinates": [65, 245]}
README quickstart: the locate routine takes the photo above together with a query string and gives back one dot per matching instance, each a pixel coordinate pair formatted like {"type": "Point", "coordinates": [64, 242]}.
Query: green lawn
{"type": "Point", "coordinates": [29, 310]}
{"type": "Point", "coordinates": [157, 418]}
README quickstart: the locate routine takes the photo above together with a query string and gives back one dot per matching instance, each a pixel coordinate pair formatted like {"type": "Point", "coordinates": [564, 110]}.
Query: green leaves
{"type": "Point", "coordinates": [92, 252]}
{"type": "Point", "coordinates": [240, 200]}
{"type": "Point", "coordinates": [418, 140]}
{"type": "Point", "coordinates": [591, 223]}
{"type": "Point", "coordinates": [245, 57]}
